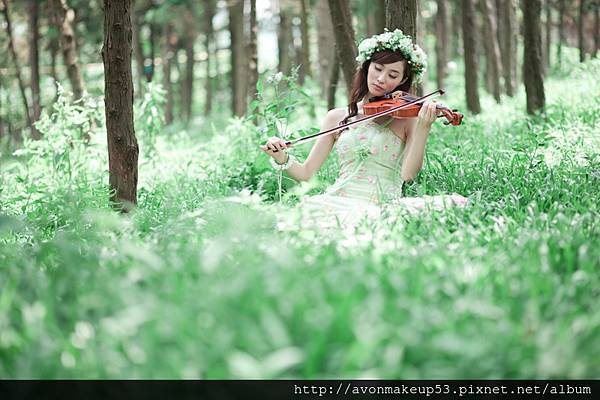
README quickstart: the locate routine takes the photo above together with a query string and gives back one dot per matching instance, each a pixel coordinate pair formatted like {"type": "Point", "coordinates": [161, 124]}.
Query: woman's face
{"type": "Point", "coordinates": [383, 78]}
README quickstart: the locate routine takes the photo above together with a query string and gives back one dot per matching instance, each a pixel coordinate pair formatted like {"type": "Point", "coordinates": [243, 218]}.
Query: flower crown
{"type": "Point", "coordinates": [395, 41]}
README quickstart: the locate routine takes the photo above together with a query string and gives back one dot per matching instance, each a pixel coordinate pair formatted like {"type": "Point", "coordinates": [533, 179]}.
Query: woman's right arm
{"type": "Point", "coordinates": [318, 154]}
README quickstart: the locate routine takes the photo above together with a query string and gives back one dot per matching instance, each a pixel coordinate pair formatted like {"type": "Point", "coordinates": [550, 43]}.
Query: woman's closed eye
{"type": "Point", "coordinates": [379, 70]}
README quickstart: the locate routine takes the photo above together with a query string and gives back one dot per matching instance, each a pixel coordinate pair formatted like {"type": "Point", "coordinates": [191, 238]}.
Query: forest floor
{"type": "Point", "coordinates": [197, 282]}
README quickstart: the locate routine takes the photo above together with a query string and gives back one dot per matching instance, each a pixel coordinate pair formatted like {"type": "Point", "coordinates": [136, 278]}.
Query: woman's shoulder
{"type": "Point", "coordinates": [335, 115]}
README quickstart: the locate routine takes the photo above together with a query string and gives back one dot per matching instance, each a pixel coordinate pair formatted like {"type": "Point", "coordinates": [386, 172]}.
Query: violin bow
{"type": "Point", "coordinates": [370, 117]}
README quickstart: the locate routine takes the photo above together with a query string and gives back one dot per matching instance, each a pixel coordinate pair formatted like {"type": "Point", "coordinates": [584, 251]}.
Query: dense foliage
{"type": "Point", "coordinates": [213, 277]}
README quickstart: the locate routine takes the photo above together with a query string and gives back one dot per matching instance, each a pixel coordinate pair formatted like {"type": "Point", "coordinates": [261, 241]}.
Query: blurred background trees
{"type": "Point", "coordinates": [209, 55]}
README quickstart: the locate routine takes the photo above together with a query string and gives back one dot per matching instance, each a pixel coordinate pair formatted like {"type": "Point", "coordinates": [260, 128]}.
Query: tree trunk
{"type": "Point", "coordinates": [402, 15]}
{"type": "Point", "coordinates": [187, 78]}
{"type": "Point", "coordinates": [532, 56]}
{"type": "Point", "coordinates": [508, 34]}
{"type": "Point", "coordinates": [238, 56]}
{"type": "Point", "coordinates": [341, 19]}
{"type": "Point", "coordinates": [441, 43]}
{"type": "Point", "coordinates": [167, 57]}
{"type": "Point", "coordinates": [419, 40]}
{"type": "Point", "coordinates": [492, 48]}
{"type": "Point", "coordinates": [209, 12]}
{"type": "Point", "coordinates": [138, 53]}
{"type": "Point", "coordinates": [34, 65]}
{"type": "Point", "coordinates": [11, 48]}
{"type": "Point", "coordinates": [457, 48]}
{"type": "Point", "coordinates": [580, 31]}
{"type": "Point", "coordinates": [561, 30]}
{"type": "Point", "coordinates": [471, 63]}
{"type": "Point", "coordinates": [324, 47]}
{"type": "Point", "coordinates": [187, 84]}
{"type": "Point", "coordinates": [63, 18]}
{"type": "Point", "coordinates": [252, 54]}
{"type": "Point", "coordinates": [149, 71]}
{"type": "Point", "coordinates": [305, 50]}
{"type": "Point", "coordinates": [548, 38]}
{"type": "Point", "coordinates": [53, 47]}
{"type": "Point", "coordinates": [333, 81]}
{"type": "Point", "coordinates": [596, 29]}
{"type": "Point", "coordinates": [118, 99]}
{"type": "Point", "coordinates": [284, 37]}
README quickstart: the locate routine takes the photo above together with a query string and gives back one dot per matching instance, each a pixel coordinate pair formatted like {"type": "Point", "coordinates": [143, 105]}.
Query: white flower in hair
{"type": "Point", "coordinates": [395, 41]}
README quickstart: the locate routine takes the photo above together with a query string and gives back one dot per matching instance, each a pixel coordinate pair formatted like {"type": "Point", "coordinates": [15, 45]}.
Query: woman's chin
{"type": "Point", "coordinates": [377, 92]}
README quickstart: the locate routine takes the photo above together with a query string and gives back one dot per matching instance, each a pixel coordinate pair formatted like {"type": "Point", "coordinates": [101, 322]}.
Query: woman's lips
{"type": "Point", "coordinates": [379, 87]}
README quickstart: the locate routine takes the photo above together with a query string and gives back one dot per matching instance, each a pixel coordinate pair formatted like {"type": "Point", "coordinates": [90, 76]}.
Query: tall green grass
{"type": "Point", "coordinates": [198, 282]}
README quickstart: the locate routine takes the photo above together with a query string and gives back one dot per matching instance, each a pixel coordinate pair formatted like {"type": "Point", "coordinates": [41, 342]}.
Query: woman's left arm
{"type": "Point", "coordinates": [416, 140]}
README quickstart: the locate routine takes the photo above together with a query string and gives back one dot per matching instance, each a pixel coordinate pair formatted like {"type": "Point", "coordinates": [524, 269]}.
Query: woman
{"type": "Point", "coordinates": [377, 156]}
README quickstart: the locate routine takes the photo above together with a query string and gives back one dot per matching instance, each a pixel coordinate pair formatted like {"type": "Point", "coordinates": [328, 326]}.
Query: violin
{"type": "Point", "coordinates": [394, 105]}
{"type": "Point", "coordinates": [384, 103]}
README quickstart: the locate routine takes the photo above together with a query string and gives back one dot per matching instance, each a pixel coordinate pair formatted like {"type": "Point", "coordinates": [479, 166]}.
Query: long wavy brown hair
{"type": "Point", "coordinates": [360, 87]}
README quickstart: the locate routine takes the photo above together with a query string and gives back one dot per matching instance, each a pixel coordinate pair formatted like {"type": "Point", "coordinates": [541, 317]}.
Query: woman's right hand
{"type": "Point", "coordinates": [275, 143]}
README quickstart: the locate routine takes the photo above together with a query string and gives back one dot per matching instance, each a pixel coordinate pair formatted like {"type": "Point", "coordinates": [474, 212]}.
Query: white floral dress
{"type": "Point", "coordinates": [370, 157]}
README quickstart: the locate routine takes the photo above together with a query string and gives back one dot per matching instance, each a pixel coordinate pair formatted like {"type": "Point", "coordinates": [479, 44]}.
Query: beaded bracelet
{"type": "Point", "coordinates": [285, 165]}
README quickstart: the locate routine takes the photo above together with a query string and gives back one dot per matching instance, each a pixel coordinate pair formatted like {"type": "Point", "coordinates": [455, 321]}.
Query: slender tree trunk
{"type": "Point", "coordinates": [548, 40]}
{"type": "Point", "coordinates": [34, 65]}
{"type": "Point", "coordinates": [532, 56]}
{"type": "Point", "coordinates": [441, 42]}
{"type": "Point", "coordinates": [419, 40]}
{"type": "Point", "coordinates": [284, 36]}
{"type": "Point", "coordinates": [561, 30]}
{"type": "Point", "coordinates": [187, 87]}
{"type": "Point", "coordinates": [118, 90]}
{"type": "Point", "coordinates": [333, 81]}
{"type": "Point", "coordinates": [63, 18]}
{"type": "Point", "coordinates": [150, 70]}
{"type": "Point", "coordinates": [508, 34]}
{"type": "Point", "coordinates": [187, 77]}
{"type": "Point", "coordinates": [341, 19]}
{"type": "Point", "coordinates": [11, 48]}
{"type": "Point", "coordinates": [138, 53]}
{"type": "Point", "coordinates": [456, 28]}
{"type": "Point", "coordinates": [471, 63]}
{"type": "Point", "coordinates": [326, 50]}
{"type": "Point", "coordinates": [252, 54]}
{"type": "Point", "coordinates": [209, 12]}
{"type": "Point", "coordinates": [402, 15]}
{"type": "Point", "coordinates": [580, 31]}
{"type": "Point", "coordinates": [238, 56]}
{"type": "Point", "coordinates": [305, 52]}
{"type": "Point", "coordinates": [167, 56]}
{"type": "Point", "coordinates": [596, 28]}
{"type": "Point", "coordinates": [492, 48]}
{"type": "Point", "coordinates": [53, 48]}
{"type": "Point", "coordinates": [514, 25]}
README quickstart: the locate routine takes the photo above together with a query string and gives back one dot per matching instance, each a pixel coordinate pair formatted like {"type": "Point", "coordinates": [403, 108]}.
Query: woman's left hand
{"type": "Point", "coordinates": [427, 113]}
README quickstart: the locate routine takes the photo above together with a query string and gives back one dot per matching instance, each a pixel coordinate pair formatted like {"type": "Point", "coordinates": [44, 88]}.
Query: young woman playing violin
{"type": "Point", "coordinates": [378, 155]}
